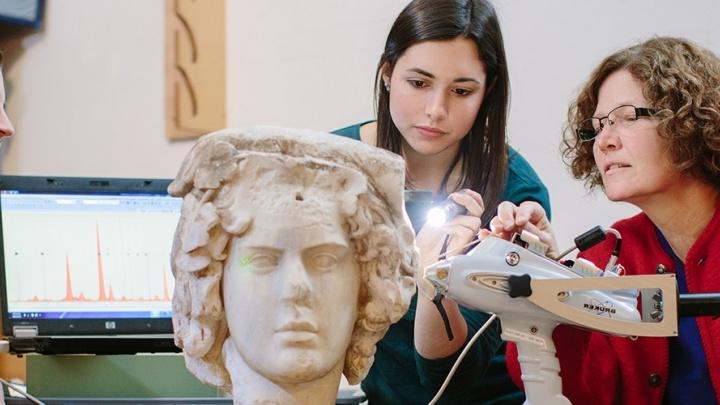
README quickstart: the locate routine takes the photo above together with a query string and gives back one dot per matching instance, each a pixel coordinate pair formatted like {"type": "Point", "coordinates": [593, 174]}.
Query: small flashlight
{"type": "Point", "coordinates": [447, 210]}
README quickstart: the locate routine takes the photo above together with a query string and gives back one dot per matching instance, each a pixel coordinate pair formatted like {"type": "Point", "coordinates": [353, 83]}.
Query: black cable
{"type": "Point", "coordinates": [438, 304]}
{"type": "Point", "coordinates": [437, 300]}
{"type": "Point", "coordinates": [444, 247]}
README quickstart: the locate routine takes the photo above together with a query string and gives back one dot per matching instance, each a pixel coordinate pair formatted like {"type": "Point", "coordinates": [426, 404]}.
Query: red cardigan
{"type": "Point", "coordinates": [602, 369]}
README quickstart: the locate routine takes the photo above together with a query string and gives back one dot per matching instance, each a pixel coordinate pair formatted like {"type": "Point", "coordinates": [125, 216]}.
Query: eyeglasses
{"type": "Point", "coordinates": [623, 116]}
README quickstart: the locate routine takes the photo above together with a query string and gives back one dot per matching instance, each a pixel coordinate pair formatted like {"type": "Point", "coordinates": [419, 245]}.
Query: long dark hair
{"type": "Point", "coordinates": [483, 152]}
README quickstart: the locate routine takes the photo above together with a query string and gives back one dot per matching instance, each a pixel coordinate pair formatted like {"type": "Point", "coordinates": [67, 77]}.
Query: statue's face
{"type": "Point", "coordinates": [290, 288]}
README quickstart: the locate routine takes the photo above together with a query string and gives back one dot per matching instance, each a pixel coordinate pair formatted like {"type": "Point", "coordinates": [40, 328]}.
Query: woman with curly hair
{"type": "Point", "coordinates": [646, 130]}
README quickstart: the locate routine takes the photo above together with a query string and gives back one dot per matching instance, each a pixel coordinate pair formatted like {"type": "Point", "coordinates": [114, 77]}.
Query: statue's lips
{"type": "Point", "coordinates": [298, 326]}
{"type": "Point", "coordinates": [298, 332]}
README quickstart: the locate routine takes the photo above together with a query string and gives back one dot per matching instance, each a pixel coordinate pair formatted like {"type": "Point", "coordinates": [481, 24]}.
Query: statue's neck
{"type": "Point", "coordinates": [251, 388]}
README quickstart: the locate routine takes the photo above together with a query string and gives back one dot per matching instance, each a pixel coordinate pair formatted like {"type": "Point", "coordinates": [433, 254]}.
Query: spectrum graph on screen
{"type": "Point", "coordinates": [88, 256]}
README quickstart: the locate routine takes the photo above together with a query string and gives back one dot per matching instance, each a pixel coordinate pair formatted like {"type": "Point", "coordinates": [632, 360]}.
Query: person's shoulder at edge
{"type": "Point", "coordinates": [351, 131]}
{"type": "Point", "coordinates": [523, 183]}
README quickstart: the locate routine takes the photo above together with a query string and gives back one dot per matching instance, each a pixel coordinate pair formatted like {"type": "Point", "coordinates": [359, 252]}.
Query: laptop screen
{"type": "Point", "coordinates": [86, 256]}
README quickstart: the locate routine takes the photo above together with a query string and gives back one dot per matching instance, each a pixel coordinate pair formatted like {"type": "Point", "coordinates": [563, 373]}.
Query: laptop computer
{"type": "Point", "coordinates": [85, 264]}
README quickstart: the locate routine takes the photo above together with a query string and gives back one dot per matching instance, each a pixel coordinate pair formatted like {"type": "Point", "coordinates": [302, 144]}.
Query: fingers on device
{"type": "Point", "coordinates": [532, 294]}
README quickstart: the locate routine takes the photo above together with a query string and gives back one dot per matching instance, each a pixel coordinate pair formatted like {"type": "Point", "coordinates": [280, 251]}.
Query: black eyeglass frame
{"type": "Point", "coordinates": [589, 135]}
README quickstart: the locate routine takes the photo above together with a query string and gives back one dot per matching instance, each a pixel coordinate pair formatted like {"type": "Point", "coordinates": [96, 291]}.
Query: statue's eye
{"type": "Point", "coordinates": [324, 261]}
{"type": "Point", "coordinates": [262, 261]}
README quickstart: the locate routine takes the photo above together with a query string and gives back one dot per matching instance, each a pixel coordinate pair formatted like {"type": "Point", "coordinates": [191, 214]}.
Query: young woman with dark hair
{"type": "Point", "coordinates": [442, 95]}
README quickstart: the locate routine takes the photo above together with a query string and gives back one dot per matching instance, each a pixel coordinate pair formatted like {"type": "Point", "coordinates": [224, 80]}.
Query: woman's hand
{"type": "Point", "coordinates": [529, 216]}
{"type": "Point", "coordinates": [430, 341]}
{"type": "Point", "coordinates": [459, 231]}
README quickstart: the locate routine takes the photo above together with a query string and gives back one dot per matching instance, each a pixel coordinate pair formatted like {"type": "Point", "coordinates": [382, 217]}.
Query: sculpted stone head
{"type": "Point", "coordinates": [292, 256]}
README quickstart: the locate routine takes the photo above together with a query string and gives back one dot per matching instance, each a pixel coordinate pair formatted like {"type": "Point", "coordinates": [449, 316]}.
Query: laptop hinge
{"type": "Point", "coordinates": [25, 331]}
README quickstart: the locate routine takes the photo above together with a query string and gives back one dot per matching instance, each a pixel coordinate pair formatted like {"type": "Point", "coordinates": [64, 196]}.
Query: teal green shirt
{"type": "Point", "coordinates": [401, 376]}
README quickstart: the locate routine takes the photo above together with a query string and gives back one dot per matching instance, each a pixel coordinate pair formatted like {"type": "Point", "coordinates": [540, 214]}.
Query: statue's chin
{"type": "Point", "coordinates": [294, 366]}
{"type": "Point", "coordinates": [288, 378]}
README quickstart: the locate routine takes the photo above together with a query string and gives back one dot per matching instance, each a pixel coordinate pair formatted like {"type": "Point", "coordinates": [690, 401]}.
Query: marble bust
{"type": "Point", "coordinates": [292, 257]}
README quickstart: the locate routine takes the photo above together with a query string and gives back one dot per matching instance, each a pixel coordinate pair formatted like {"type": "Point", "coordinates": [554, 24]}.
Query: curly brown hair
{"type": "Point", "coordinates": [682, 82]}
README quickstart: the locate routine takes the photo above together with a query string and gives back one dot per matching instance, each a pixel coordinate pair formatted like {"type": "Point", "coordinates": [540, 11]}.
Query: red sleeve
{"type": "Point", "coordinates": [513, 365]}
{"type": "Point", "coordinates": [571, 345]}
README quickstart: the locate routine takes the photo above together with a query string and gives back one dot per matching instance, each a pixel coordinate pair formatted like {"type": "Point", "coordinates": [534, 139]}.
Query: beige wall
{"type": "Point", "coordinates": [88, 90]}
